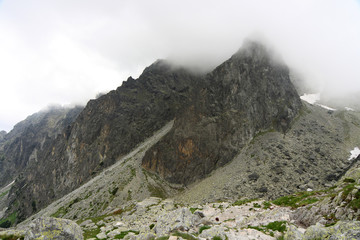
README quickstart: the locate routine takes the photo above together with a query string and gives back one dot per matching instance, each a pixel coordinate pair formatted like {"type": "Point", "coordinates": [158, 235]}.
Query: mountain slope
{"type": "Point", "coordinates": [121, 184]}
{"type": "Point", "coordinates": [245, 95]}
{"type": "Point", "coordinates": [240, 130]}
{"type": "Point", "coordinates": [312, 154]}
{"type": "Point", "coordinates": [20, 146]}
{"type": "Point", "coordinates": [107, 129]}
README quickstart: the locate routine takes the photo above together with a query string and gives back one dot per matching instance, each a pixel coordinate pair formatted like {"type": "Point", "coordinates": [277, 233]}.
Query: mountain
{"type": "Point", "coordinates": [239, 130]}
{"type": "Point", "coordinates": [21, 145]}
{"type": "Point", "coordinates": [2, 135]}
{"type": "Point", "coordinates": [248, 94]}
{"type": "Point", "coordinates": [105, 130]}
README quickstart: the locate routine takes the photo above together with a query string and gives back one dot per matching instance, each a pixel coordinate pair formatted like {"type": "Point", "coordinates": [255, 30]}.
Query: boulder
{"type": "Point", "coordinates": [341, 230]}
{"type": "Point", "coordinates": [180, 219]}
{"type": "Point", "coordinates": [214, 231]}
{"type": "Point", "coordinates": [53, 228]}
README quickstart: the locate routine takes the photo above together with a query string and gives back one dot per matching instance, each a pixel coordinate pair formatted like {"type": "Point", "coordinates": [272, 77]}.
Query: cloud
{"type": "Point", "coordinates": [68, 51]}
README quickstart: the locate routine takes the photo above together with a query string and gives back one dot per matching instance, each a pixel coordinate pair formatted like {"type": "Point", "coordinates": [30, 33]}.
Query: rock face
{"type": "Point", "coordinates": [54, 228]}
{"type": "Point", "coordinates": [248, 94]}
{"type": "Point", "coordinates": [20, 146]}
{"type": "Point", "coordinates": [2, 135]}
{"type": "Point", "coordinates": [242, 112]}
{"type": "Point", "coordinates": [107, 128]}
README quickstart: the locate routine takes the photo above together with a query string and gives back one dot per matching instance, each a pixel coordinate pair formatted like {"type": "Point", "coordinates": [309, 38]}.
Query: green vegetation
{"type": "Point", "coordinates": [114, 191]}
{"type": "Point", "coordinates": [5, 236]}
{"type": "Point", "coordinates": [132, 171]}
{"type": "Point", "coordinates": [243, 201]}
{"type": "Point", "coordinates": [266, 205]}
{"type": "Point", "coordinates": [296, 200]}
{"type": "Point", "coordinates": [269, 229]}
{"type": "Point", "coordinates": [349, 180]}
{"type": "Point", "coordinates": [3, 194]}
{"type": "Point", "coordinates": [279, 226]}
{"type": "Point", "coordinates": [157, 191]}
{"type": "Point", "coordinates": [216, 238]}
{"type": "Point", "coordinates": [129, 195]}
{"type": "Point", "coordinates": [256, 205]}
{"type": "Point", "coordinates": [185, 236]}
{"type": "Point", "coordinates": [65, 209]}
{"type": "Point", "coordinates": [59, 213]}
{"type": "Point", "coordinates": [7, 222]}
{"type": "Point", "coordinates": [192, 210]}
{"type": "Point", "coordinates": [162, 238]}
{"type": "Point", "coordinates": [346, 190]}
{"type": "Point", "coordinates": [152, 226]}
{"type": "Point", "coordinates": [202, 228]}
{"type": "Point", "coordinates": [91, 233]}
{"type": "Point", "coordinates": [123, 234]}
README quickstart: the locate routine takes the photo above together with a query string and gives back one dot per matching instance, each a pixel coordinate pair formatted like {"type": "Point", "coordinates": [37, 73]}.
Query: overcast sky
{"type": "Point", "coordinates": [67, 51]}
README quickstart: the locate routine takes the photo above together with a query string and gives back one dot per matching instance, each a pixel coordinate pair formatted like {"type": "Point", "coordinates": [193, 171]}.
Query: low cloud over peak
{"type": "Point", "coordinates": [68, 51]}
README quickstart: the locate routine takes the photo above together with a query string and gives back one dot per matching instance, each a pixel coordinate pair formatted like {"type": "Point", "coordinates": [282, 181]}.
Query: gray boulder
{"type": "Point", "coordinates": [341, 230]}
{"type": "Point", "coordinates": [54, 228]}
{"type": "Point", "coordinates": [181, 219]}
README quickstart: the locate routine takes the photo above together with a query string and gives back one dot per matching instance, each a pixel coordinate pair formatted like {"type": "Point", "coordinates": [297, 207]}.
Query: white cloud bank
{"type": "Point", "coordinates": [68, 51]}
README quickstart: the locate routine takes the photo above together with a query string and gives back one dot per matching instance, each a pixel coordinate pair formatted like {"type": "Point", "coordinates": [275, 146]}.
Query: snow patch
{"type": "Point", "coordinates": [311, 98]}
{"type": "Point", "coordinates": [326, 107]}
{"type": "Point", "coordinates": [354, 153]}
{"type": "Point", "coordinates": [349, 109]}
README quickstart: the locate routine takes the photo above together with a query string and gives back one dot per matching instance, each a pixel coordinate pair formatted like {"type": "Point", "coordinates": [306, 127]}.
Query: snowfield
{"type": "Point", "coordinates": [313, 99]}
{"type": "Point", "coordinates": [354, 153]}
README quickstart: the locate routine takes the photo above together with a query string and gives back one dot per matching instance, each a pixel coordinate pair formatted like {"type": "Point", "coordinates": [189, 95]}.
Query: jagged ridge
{"type": "Point", "coordinates": [247, 94]}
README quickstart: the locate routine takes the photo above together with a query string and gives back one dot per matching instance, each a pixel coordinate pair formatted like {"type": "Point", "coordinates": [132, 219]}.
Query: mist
{"type": "Point", "coordinates": [66, 52]}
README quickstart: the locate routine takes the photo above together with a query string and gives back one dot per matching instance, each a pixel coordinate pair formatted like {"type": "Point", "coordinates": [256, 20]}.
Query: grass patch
{"type": "Point", "coordinates": [243, 201]}
{"type": "Point", "coordinates": [266, 205]}
{"type": "Point", "coordinates": [157, 191]}
{"type": "Point", "coordinates": [349, 180]}
{"type": "Point", "coordinates": [279, 226]}
{"type": "Point", "coordinates": [256, 205]}
{"type": "Point", "coordinates": [163, 238]}
{"type": "Point", "coordinates": [91, 233]}
{"type": "Point", "coordinates": [185, 236]}
{"type": "Point", "coordinates": [271, 228]}
{"type": "Point", "coordinates": [202, 228]}
{"type": "Point", "coordinates": [346, 190]}
{"type": "Point", "coordinates": [11, 237]}
{"type": "Point", "coordinates": [296, 200]}
{"type": "Point", "coordinates": [192, 210]}
{"type": "Point", "coordinates": [9, 221]}
{"type": "Point", "coordinates": [60, 212]}
{"type": "Point", "coordinates": [64, 210]}
{"type": "Point", "coordinates": [216, 238]}
{"type": "Point", "coordinates": [124, 233]}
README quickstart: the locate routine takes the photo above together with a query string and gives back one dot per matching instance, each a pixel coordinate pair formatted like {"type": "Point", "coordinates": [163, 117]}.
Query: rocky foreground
{"type": "Point", "coordinates": [327, 214]}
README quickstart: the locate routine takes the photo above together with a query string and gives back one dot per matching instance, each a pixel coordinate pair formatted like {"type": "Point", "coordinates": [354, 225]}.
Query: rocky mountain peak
{"type": "Point", "coordinates": [243, 96]}
{"type": "Point", "coordinates": [237, 127]}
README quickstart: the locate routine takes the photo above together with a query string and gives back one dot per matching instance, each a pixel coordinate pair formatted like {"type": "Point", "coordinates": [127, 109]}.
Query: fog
{"type": "Point", "coordinates": [66, 52]}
